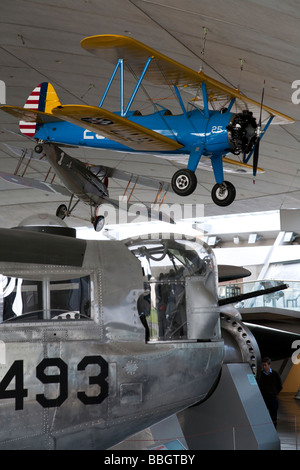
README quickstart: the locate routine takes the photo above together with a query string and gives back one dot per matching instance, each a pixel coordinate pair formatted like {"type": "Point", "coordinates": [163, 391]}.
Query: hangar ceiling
{"type": "Point", "coordinates": [241, 43]}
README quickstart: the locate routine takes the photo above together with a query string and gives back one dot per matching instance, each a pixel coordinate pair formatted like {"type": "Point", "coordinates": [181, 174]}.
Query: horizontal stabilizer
{"type": "Point", "coordinates": [29, 115]}
{"type": "Point", "coordinates": [115, 127]}
{"type": "Point", "coordinates": [37, 109]}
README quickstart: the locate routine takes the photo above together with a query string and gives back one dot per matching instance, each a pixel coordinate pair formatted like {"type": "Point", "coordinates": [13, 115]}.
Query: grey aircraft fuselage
{"type": "Point", "coordinates": [77, 370]}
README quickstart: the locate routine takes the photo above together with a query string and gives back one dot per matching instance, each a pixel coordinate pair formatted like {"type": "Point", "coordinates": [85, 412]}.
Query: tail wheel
{"type": "Point", "coordinates": [99, 223]}
{"type": "Point", "coordinates": [38, 148]}
{"type": "Point", "coordinates": [184, 182]}
{"type": "Point", "coordinates": [62, 211]}
{"type": "Point", "coordinates": [223, 194]}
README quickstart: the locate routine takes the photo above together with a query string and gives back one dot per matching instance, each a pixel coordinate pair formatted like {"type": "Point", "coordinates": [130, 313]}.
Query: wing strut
{"type": "Point", "coordinates": [21, 159]}
{"type": "Point", "coordinates": [120, 64]}
{"type": "Point", "coordinates": [160, 195]}
{"type": "Point", "coordinates": [205, 99]}
{"type": "Point", "coordinates": [48, 174]}
{"type": "Point", "coordinates": [28, 155]}
{"type": "Point", "coordinates": [160, 200]}
{"type": "Point", "coordinates": [127, 187]}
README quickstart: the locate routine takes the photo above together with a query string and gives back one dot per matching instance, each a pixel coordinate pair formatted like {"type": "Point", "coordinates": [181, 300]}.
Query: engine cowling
{"type": "Point", "coordinates": [242, 132]}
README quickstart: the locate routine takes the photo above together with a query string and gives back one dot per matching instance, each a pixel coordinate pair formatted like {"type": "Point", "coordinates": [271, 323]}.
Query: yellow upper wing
{"type": "Point", "coordinates": [113, 47]}
{"type": "Point", "coordinates": [115, 127]}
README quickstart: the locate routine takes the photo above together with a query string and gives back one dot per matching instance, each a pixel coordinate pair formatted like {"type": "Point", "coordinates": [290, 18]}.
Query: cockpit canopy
{"type": "Point", "coordinates": [184, 257]}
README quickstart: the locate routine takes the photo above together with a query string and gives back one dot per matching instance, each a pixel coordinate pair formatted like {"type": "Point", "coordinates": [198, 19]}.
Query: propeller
{"type": "Point", "coordinates": [258, 132]}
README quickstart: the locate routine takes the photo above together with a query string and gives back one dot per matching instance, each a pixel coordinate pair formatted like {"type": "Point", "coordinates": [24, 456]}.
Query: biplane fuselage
{"type": "Point", "coordinates": [191, 130]}
{"type": "Point", "coordinates": [77, 367]}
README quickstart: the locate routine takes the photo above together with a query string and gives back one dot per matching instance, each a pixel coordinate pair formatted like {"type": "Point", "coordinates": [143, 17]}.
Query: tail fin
{"type": "Point", "coordinates": [43, 98]}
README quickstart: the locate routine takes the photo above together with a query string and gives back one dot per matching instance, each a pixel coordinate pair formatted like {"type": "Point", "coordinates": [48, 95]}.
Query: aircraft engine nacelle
{"type": "Point", "coordinates": [242, 132]}
{"type": "Point", "coordinates": [231, 132]}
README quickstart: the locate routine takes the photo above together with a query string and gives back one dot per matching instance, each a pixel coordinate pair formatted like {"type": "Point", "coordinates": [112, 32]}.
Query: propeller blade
{"type": "Point", "coordinates": [256, 148]}
{"type": "Point", "coordinates": [261, 104]}
{"type": "Point", "coordinates": [255, 157]}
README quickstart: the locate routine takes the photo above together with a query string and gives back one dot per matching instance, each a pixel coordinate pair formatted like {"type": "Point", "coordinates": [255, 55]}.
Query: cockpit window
{"type": "Point", "coordinates": [30, 299]}
{"type": "Point", "coordinates": [167, 265]}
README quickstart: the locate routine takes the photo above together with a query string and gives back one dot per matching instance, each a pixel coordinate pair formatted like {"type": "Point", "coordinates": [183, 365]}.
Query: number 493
{"type": "Point", "coordinates": [16, 373]}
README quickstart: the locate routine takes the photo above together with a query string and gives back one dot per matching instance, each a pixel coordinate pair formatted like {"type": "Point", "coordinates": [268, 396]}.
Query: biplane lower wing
{"type": "Point", "coordinates": [143, 209]}
{"type": "Point", "coordinates": [35, 184]}
{"type": "Point", "coordinates": [151, 211]}
{"type": "Point", "coordinates": [234, 166]}
{"type": "Point", "coordinates": [229, 164]}
{"type": "Point", "coordinates": [104, 171]}
{"type": "Point", "coordinates": [115, 127]}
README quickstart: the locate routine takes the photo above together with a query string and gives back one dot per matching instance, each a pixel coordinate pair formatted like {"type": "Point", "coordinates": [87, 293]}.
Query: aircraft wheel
{"type": "Point", "coordinates": [184, 182]}
{"type": "Point", "coordinates": [99, 223]}
{"type": "Point", "coordinates": [223, 194]}
{"type": "Point", "coordinates": [38, 148]}
{"type": "Point", "coordinates": [62, 211]}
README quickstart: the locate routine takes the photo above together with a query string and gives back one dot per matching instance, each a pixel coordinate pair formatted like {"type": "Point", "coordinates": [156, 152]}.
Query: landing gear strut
{"type": "Point", "coordinates": [223, 194]}
{"type": "Point", "coordinates": [98, 221]}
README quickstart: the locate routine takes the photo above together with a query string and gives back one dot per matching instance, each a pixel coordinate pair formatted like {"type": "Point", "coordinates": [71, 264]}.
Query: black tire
{"type": "Point", "coordinates": [99, 223]}
{"type": "Point", "coordinates": [62, 211]}
{"type": "Point", "coordinates": [184, 182]}
{"type": "Point", "coordinates": [223, 194]}
{"type": "Point", "coordinates": [38, 148]}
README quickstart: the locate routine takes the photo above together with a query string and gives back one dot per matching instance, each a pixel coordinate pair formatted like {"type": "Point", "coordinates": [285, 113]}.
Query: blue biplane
{"type": "Point", "coordinates": [221, 120]}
